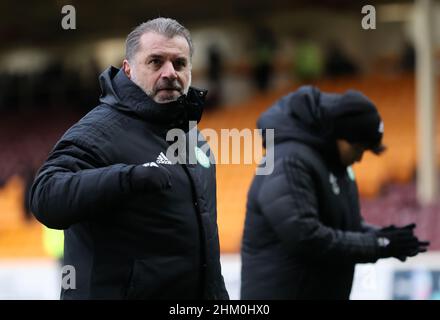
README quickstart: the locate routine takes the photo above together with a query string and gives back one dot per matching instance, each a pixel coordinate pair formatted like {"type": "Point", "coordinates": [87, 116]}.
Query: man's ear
{"type": "Point", "coordinates": [126, 68]}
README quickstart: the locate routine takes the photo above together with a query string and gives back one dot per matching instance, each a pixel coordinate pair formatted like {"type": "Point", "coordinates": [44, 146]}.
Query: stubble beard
{"type": "Point", "coordinates": [152, 93]}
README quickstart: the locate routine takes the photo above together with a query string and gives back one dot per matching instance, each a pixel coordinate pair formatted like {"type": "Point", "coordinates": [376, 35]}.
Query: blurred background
{"type": "Point", "coordinates": [247, 54]}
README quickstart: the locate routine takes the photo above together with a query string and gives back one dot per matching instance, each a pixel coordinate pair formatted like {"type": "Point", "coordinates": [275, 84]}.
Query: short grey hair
{"type": "Point", "coordinates": [163, 26]}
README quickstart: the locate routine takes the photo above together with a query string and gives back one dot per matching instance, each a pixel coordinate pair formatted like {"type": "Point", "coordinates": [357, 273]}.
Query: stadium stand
{"type": "Point", "coordinates": [386, 183]}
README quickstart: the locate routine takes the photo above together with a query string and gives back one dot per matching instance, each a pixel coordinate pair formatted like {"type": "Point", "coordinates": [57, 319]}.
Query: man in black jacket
{"type": "Point", "coordinates": [137, 225]}
{"type": "Point", "coordinates": [303, 231]}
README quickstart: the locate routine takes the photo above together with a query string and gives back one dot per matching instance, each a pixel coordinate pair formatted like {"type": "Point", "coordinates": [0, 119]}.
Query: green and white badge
{"type": "Point", "coordinates": [351, 174]}
{"type": "Point", "coordinates": [202, 158]}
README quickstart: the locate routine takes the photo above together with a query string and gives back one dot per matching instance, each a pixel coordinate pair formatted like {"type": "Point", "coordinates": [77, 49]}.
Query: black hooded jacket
{"type": "Point", "coordinates": [155, 245]}
{"type": "Point", "coordinates": [303, 232]}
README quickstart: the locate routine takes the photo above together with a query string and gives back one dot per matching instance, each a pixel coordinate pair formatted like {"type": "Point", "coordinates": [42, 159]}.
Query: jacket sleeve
{"type": "Point", "coordinates": [368, 227]}
{"type": "Point", "coordinates": [73, 186]}
{"type": "Point", "coordinates": [288, 199]}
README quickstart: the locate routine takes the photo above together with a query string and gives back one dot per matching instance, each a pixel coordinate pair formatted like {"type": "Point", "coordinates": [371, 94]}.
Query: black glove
{"type": "Point", "coordinates": [150, 177]}
{"type": "Point", "coordinates": [399, 242]}
{"type": "Point", "coordinates": [389, 228]}
{"type": "Point", "coordinates": [392, 227]}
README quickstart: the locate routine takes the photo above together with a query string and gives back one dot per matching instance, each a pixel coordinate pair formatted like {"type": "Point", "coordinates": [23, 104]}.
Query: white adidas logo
{"type": "Point", "coordinates": [162, 159]}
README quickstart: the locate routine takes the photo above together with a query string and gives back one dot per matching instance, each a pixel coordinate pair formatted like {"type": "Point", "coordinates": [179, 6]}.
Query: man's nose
{"type": "Point", "coordinates": [168, 71]}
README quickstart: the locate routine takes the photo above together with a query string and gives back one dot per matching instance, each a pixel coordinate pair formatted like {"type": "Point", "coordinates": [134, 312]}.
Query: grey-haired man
{"type": "Point", "coordinates": [137, 225]}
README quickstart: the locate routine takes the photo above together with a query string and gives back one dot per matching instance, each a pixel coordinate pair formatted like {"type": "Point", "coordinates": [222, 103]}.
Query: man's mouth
{"type": "Point", "coordinates": [168, 89]}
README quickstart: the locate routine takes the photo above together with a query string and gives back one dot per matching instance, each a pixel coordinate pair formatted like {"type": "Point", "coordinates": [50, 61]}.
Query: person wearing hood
{"type": "Point", "coordinates": [136, 224]}
{"type": "Point", "coordinates": [303, 231]}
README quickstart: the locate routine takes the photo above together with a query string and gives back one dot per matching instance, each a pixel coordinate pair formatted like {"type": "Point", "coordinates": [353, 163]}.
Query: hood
{"type": "Point", "coordinates": [310, 116]}
{"type": "Point", "coordinates": [123, 94]}
{"type": "Point", "coordinates": [302, 116]}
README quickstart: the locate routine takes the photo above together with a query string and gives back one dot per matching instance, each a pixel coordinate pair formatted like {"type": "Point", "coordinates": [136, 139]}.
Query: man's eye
{"type": "Point", "coordinates": [180, 64]}
{"type": "Point", "coordinates": [155, 62]}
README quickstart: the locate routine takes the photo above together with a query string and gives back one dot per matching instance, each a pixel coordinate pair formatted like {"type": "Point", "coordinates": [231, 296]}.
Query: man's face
{"type": "Point", "coordinates": [161, 67]}
{"type": "Point", "coordinates": [349, 153]}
